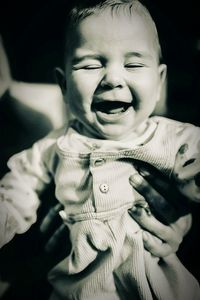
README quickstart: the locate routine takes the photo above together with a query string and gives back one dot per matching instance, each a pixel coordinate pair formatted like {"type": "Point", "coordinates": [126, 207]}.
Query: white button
{"type": "Point", "coordinates": [104, 188]}
{"type": "Point", "coordinates": [99, 162]}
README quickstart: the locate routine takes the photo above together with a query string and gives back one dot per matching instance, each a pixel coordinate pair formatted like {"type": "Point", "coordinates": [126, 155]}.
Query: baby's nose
{"type": "Point", "coordinates": [113, 79]}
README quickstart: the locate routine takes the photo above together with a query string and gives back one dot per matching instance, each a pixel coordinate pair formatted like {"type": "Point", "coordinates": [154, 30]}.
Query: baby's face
{"type": "Point", "coordinates": [113, 76]}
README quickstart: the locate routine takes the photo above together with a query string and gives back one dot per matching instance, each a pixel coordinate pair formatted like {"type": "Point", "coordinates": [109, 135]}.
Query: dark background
{"type": "Point", "coordinates": [33, 31]}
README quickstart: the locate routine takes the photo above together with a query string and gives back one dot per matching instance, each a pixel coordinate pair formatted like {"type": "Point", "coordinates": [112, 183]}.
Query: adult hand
{"type": "Point", "coordinates": [161, 211]}
{"type": "Point", "coordinates": [53, 232]}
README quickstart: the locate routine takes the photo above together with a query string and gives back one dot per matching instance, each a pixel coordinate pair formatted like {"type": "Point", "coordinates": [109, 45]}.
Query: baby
{"type": "Point", "coordinates": [112, 81]}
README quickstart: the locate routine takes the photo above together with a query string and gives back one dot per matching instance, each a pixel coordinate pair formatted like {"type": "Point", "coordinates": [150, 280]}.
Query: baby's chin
{"type": "Point", "coordinates": [113, 132]}
{"type": "Point", "coordinates": [108, 132]}
{"type": "Point", "coordinates": [124, 129]}
{"type": "Point", "coordinates": [121, 132]}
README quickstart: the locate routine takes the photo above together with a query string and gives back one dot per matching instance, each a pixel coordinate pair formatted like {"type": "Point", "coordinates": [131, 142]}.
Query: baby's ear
{"type": "Point", "coordinates": [61, 80]}
{"type": "Point", "coordinates": [162, 72]}
{"type": "Point", "coordinates": [162, 87]}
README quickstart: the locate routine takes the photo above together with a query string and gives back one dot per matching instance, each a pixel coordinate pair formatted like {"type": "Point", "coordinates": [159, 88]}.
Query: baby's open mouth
{"type": "Point", "coordinates": [111, 107]}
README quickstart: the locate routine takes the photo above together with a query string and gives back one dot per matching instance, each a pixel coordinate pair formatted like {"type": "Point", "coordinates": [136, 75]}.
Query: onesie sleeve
{"type": "Point", "coordinates": [30, 172]}
{"type": "Point", "coordinates": [186, 171]}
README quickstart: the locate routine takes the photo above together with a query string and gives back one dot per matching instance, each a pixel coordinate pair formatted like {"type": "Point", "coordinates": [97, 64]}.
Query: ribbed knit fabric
{"type": "Point", "coordinates": [108, 260]}
{"type": "Point", "coordinates": [119, 267]}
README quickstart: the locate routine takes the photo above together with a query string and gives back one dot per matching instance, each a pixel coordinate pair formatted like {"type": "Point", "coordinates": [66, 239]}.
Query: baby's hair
{"type": "Point", "coordinates": [83, 9]}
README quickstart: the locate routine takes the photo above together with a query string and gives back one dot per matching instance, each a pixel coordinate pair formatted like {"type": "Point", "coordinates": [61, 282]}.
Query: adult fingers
{"type": "Point", "coordinates": [159, 206]}
{"type": "Point", "coordinates": [159, 239]}
{"type": "Point", "coordinates": [183, 224]}
{"type": "Point", "coordinates": [51, 217]}
{"type": "Point", "coordinates": [165, 187]}
{"type": "Point", "coordinates": [148, 222]}
{"type": "Point", "coordinates": [59, 238]}
{"type": "Point", "coordinates": [155, 245]}
{"type": "Point", "coordinates": [156, 178]}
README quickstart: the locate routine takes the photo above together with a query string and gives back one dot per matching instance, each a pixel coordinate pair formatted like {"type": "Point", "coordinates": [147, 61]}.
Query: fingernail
{"type": "Point", "coordinates": [136, 179]}
{"type": "Point", "coordinates": [133, 208]}
{"type": "Point", "coordinates": [143, 172]}
{"type": "Point", "coordinates": [143, 205]}
{"type": "Point", "coordinates": [136, 211]}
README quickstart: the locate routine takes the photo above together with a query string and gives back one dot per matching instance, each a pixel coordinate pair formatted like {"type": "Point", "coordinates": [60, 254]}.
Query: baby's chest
{"type": "Point", "coordinates": [99, 181]}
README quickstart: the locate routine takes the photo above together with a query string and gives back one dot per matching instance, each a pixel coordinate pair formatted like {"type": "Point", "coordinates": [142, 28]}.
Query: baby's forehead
{"type": "Point", "coordinates": [119, 14]}
{"type": "Point", "coordinates": [123, 15]}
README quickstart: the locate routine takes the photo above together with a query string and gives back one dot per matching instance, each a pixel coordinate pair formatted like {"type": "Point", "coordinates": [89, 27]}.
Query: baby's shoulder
{"type": "Point", "coordinates": [56, 133]}
{"type": "Point", "coordinates": [166, 121]}
{"type": "Point", "coordinates": [50, 140]}
{"type": "Point", "coordinates": [174, 125]}
{"type": "Point", "coordinates": [180, 134]}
